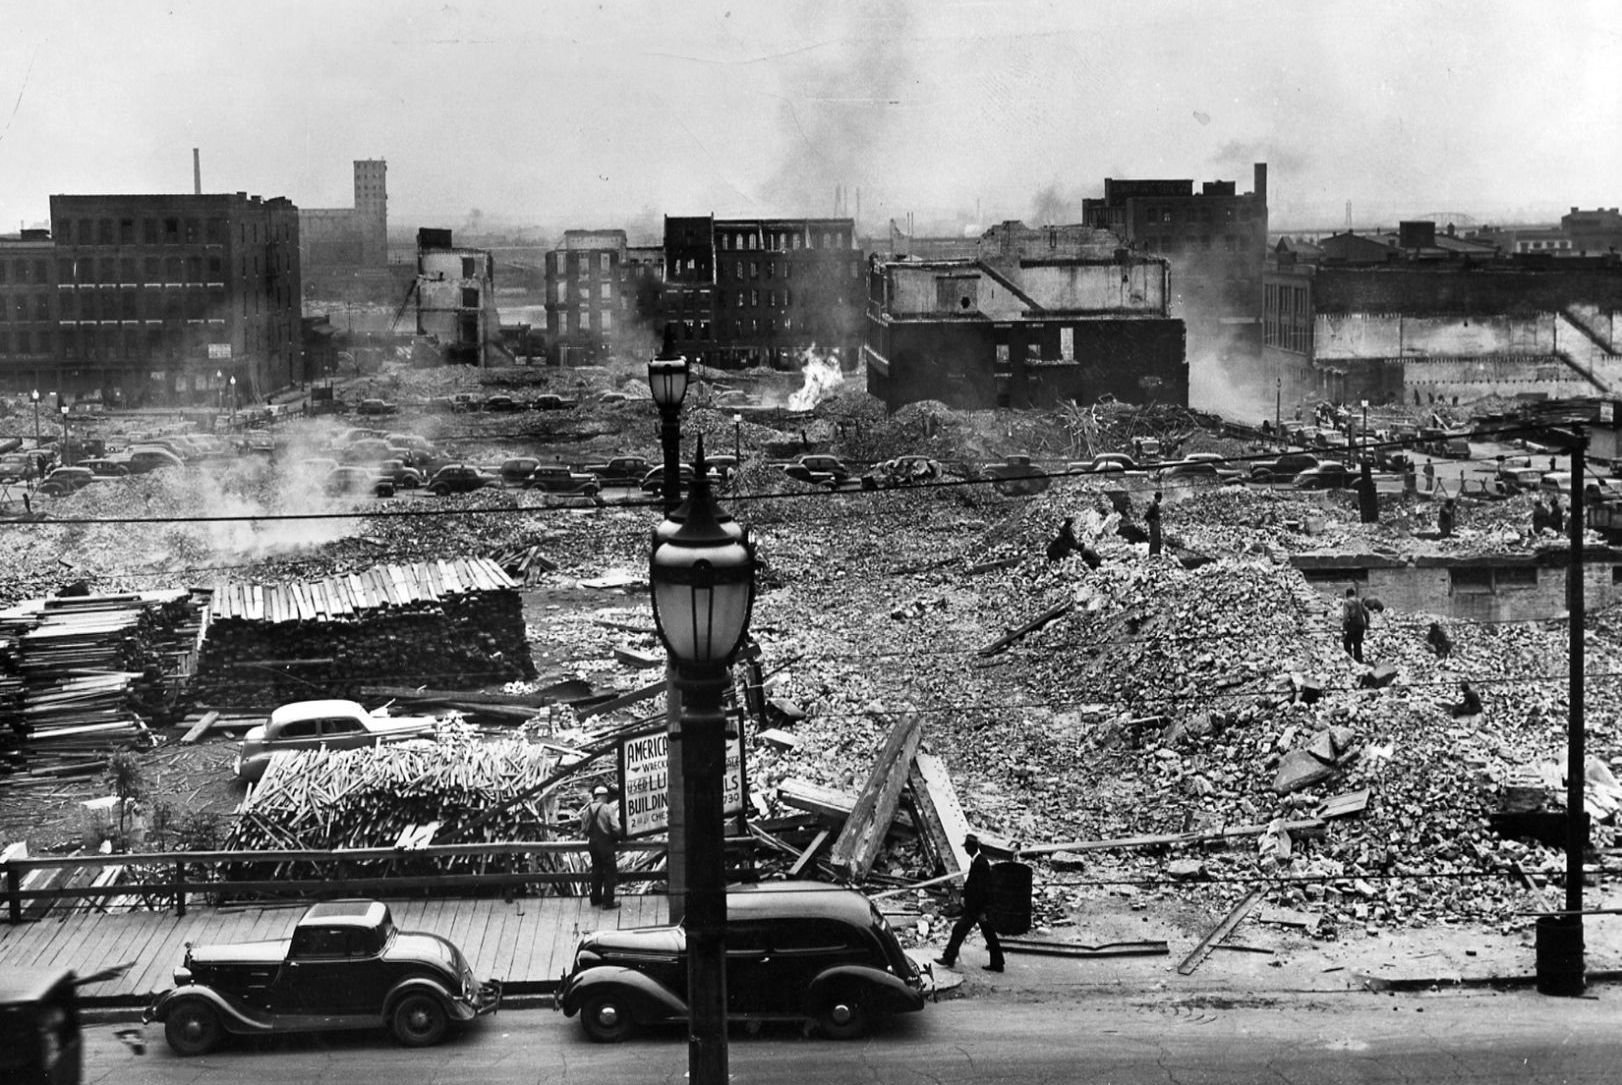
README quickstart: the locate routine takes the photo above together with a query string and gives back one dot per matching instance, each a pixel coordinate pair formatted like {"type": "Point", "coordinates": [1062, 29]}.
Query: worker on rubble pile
{"type": "Point", "coordinates": [600, 825]}
{"type": "Point", "coordinates": [1354, 622]}
{"type": "Point", "coordinates": [1540, 517]}
{"type": "Point", "coordinates": [1469, 703]}
{"type": "Point", "coordinates": [976, 899]}
{"type": "Point", "coordinates": [1557, 515]}
{"type": "Point", "coordinates": [1446, 518]}
{"type": "Point", "coordinates": [1368, 501]}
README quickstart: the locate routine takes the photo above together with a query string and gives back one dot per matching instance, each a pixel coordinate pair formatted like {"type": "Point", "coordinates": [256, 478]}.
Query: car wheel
{"type": "Point", "coordinates": [192, 1028]}
{"type": "Point", "coordinates": [419, 1021]}
{"type": "Point", "coordinates": [440, 490]}
{"type": "Point", "coordinates": [606, 1017]}
{"type": "Point", "coordinates": [844, 1015]}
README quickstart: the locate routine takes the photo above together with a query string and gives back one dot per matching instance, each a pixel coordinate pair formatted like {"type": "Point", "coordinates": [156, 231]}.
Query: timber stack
{"type": "Point", "coordinates": [87, 674]}
{"type": "Point", "coordinates": [452, 623]}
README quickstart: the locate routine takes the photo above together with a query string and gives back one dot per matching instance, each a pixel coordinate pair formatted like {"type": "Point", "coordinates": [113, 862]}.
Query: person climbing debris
{"type": "Point", "coordinates": [1354, 622]}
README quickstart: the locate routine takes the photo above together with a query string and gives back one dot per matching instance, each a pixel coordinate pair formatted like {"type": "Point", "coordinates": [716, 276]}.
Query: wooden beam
{"type": "Point", "coordinates": [941, 822]}
{"type": "Point", "coordinates": [1223, 929]}
{"type": "Point", "coordinates": [1028, 628]}
{"type": "Point", "coordinates": [199, 729]}
{"type": "Point", "coordinates": [1170, 839]}
{"type": "Point", "coordinates": [809, 853]}
{"type": "Point", "coordinates": [877, 803]}
{"type": "Point", "coordinates": [624, 700]}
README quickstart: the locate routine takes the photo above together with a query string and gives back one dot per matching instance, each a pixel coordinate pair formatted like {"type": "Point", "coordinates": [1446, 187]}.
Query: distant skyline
{"type": "Point", "coordinates": [567, 114]}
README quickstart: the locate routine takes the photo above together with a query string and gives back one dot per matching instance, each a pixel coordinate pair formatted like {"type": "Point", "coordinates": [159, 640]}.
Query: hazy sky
{"type": "Point", "coordinates": [564, 114]}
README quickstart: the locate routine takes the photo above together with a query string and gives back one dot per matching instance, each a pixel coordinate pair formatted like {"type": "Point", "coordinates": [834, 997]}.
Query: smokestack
{"type": "Point", "coordinates": [1260, 183]}
{"type": "Point", "coordinates": [196, 172]}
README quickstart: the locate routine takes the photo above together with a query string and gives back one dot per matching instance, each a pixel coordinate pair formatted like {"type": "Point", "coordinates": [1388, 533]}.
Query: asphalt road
{"type": "Point", "coordinates": [1477, 1038]}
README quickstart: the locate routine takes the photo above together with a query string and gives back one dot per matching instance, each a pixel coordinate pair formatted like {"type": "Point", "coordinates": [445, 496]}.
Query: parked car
{"type": "Point", "coordinates": [818, 470]}
{"type": "Point", "coordinates": [1452, 443]}
{"type": "Point", "coordinates": [350, 436]}
{"type": "Point", "coordinates": [66, 480]}
{"type": "Point", "coordinates": [1017, 476]}
{"type": "Point", "coordinates": [376, 407]}
{"type": "Point", "coordinates": [323, 725]}
{"type": "Point", "coordinates": [105, 467]}
{"type": "Point", "coordinates": [516, 470]}
{"type": "Point", "coordinates": [1517, 475]}
{"type": "Point", "coordinates": [356, 480]}
{"type": "Point", "coordinates": [371, 450]}
{"type": "Point", "coordinates": [547, 401]}
{"type": "Point", "coordinates": [345, 966]}
{"type": "Point", "coordinates": [653, 482]}
{"type": "Point", "coordinates": [1226, 471]}
{"type": "Point", "coordinates": [506, 403]}
{"type": "Point", "coordinates": [613, 397]}
{"type": "Point", "coordinates": [558, 479]}
{"type": "Point", "coordinates": [1105, 463]}
{"type": "Point", "coordinates": [19, 465]}
{"type": "Point", "coordinates": [1189, 472]}
{"type": "Point", "coordinates": [402, 474]}
{"type": "Point", "coordinates": [620, 470]}
{"type": "Point", "coordinates": [1282, 469]}
{"type": "Point", "coordinates": [1559, 482]}
{"type": "Point", "coordinates": [145, 458]}
{"type": "Point", "coordinates": [460, 478]}
{"type": "Point", "coordinates": [1326, 476]}
{"type": "Point", "coordinates": [797, 951]}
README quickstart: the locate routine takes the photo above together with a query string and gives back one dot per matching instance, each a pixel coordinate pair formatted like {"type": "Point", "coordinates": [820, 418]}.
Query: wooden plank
{"type": "Point", "coordinates": [1344, 805]}
{"type": "Point", "coordinates": [942, 824]}
{"type": "Point", "coordinates": [810, 852]}
{"type": "Point", "coordinates": [1237, 832]}
{"type": "Point", "coordinates": [1028, 628]}
{"type": "Point", "coordinates": [624, 700]}
{"type": "Point", "coordinates": [199, 729]}
{"type": "Point", "coordinates": [1221, 931]}
{"type": "Point", "coordinates": [863, 835]}
{"type": "Point", "coordinates": [830, 804]}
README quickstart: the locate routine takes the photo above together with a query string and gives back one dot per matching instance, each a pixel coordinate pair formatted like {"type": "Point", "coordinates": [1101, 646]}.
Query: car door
{"type": "Point", "coordinates": [329, 976]}
{"type": "Point", "coordinates": [344, 733]}
{"type": "Point", "coordinates": [803, 949]}
{"type": "Point", "coordinates": [750, 987]}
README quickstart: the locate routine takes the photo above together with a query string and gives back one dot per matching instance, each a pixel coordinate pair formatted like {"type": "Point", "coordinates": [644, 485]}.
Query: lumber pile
{"type": "Point", "coordinates": [390, 796]}
{"type": "Point", "coordinates": [81, 675]}
{"type": "Point", "coordinates": [452, 623]}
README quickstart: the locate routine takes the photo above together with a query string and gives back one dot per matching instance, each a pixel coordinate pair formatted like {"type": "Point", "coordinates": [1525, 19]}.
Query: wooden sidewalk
{"type": "Point", "coordinates": [526, 943]}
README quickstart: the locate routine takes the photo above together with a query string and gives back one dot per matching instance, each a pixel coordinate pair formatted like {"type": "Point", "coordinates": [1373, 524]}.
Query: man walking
{"type": "Point", "coordinates": [1354, 620]}
{"type": "Point", "coordinates": [1152, 516]}
{"type": "Point", "coordinates": [976, 898]}
{"type": "Point", "coordinates": [600, 825]}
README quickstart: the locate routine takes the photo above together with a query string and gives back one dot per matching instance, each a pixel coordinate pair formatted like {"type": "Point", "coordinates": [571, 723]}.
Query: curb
{"type": "Point", "coordinates": [1515, 982]}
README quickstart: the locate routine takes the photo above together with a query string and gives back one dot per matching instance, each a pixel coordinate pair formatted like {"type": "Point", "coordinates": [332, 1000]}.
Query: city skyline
{"type": "Point", "coordinates": [569, 114]}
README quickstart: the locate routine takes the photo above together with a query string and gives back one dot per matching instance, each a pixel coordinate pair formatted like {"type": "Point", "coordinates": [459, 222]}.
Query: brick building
{"type": "Point", "coordinates": [763, 291]}
{"type": "Point", "coordinates": [1598, 231]}
{"type": "Point", "coordinates": [28, 312]}
{"type": "Point", "coordinates": [602, 296]}
{"type": "Point", "coordinates": [344, 251]}
{"type": "Point", "coordinates": [1020, 326]}
{"type": "Point", "coordinates": [157, 294]}
{"type": "Point", "coordinates": [456, 299]}
{"type": "Point", "coordinates": [1423, 331]}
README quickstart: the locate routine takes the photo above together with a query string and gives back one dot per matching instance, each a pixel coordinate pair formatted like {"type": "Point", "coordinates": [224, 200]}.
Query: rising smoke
{"type": "Point", "coordinates": [822, 375]}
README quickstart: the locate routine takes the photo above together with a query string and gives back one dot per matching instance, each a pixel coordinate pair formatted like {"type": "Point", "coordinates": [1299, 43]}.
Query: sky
{"type": "Point", "coordinates": [563, 114]}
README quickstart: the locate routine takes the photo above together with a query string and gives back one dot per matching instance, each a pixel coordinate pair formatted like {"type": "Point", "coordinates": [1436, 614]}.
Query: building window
{"type": "Point", "coordinates": [754, 299]}
{"type": "Point", "coordinates": [470, 268]}
{"type": "Point", "coordinates": [470, 297]}
{"type": "Point", "coordinates": [797, 241]}
{"type": "Point", "coordinates": [607, 320]}
{"type": "Point", "coordinates": [771, 269]}
{"type": "Point", "coordinates": [737, 271]}
{"type": "Point", "coordinates": [754, 269]}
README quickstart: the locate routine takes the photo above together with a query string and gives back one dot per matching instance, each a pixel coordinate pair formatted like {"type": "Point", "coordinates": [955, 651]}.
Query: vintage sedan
{"type": "Point", "coordinates": [346, 966]}
{"type": "Point", "coordinates": [795, 951]}
{"type": "Point", "coordinates": [333, 724]}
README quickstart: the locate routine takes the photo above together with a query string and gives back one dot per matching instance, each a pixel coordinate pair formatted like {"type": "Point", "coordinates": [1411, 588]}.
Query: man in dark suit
{"type": "Point", "coordinates": [976, 899]}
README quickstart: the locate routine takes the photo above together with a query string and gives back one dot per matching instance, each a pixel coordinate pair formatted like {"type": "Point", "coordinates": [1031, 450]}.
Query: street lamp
{"type": "Point", "coordinates": [667, 379]}
{"type": "Point", "coordinates": [67, 452]}
{"type": "Point", "coordinates": [35, 397]}
{"type": "Point", "coordinates": [233, 385]}
{"type": "Point", "coordinates": [737, 440]}
{"type": "Point", "coordinates": [1362, 450]}
{"type": "Point", "coordinates": [703, 576]}
{"type": "Point", "coordinates": [219, 390]}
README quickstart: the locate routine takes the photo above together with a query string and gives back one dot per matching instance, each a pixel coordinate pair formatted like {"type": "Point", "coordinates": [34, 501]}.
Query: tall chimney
{"type": "Point", "coordinates": [196, 172]}
{"type": "Point", "coordinates": [1259, 185]}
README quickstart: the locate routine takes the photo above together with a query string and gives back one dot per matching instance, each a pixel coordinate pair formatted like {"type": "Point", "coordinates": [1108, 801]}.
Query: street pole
{"type": "Point", "coordinates": [67, 453]}
{"type": "Point", "coordinates": [36, 418]}
{"type": "Point", "coordinates": [1363, 444]}
{"type": "Point", "coordinates": [702, 742]}
{"type": "Point", "coordinates": [737, 440]}
{"type": "Point", "coordinates": [1278, 410]}
{"type": "Point", "coordinates": [1575, 758]}
{"type": "Point", "coordinates": [232, 383]}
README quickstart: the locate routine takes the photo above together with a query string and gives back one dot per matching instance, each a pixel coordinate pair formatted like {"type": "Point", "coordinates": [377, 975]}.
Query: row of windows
{"type": "Point", "coordinates": [143, 305]}
{"type": "Point", "coordinates": [25, 271]}
{"type": "Point", "coordinates": [24, 307]}
{"type": "Point", "coordinates": [150, 269]}
{"type": "Point", "coordinates": [1169, 243]}
{"type": "Point", "coordinates": [750, 299]}
{"type": "Point", "coordinates": [1171, 213]}
{"type": "Point", "coordinates": [27, 341]}
{"type": "Point", "coordinates": [782, 240]}
{"type": "Point", "coordinates": [853, 269]}
{"type": "Point", "coordinates": [169, 230]}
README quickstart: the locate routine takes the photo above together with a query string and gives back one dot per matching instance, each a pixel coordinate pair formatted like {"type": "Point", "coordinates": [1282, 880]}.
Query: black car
{"type": "Point", "coordinates": [795, 951]}
{"type": "Point", "coordinates": [1327, 476]}
{"type": "Point", "coordinates": [459, 478]}
{"type": "Point", "coordinates": [504, 403]}
{"type": "Point", "coordinates": [346, 966]}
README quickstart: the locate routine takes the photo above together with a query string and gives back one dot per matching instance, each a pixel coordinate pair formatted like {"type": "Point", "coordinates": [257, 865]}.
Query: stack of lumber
{"type": "Point", "coordinates": [377, 796]}
{"type": "Point", "coordinates": [447, 623]}
{"type": "Point", "coordinates": [85, 674]}
{"type": "Point", "coordinates": [522, 560]}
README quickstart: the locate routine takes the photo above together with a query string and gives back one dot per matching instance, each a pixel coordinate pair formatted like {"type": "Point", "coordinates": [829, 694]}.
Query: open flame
{"type": "Point", "coordinates": [822, 376]}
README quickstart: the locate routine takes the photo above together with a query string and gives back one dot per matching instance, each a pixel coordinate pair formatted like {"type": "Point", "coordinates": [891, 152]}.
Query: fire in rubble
{"type": "Point", "coordinates": [822, 376]}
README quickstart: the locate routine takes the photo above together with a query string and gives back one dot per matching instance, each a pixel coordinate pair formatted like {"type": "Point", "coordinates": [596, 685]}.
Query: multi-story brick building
{"type": "Point", "coordinates": [763, 291]}
{"type": "Point", "coordinates": [28, 314]}
{"type": "Point", "coordinates": [602, 296]}
{"type": "Point", "coordinates": [456, 299]}
{"type": "Point", "coordinates": [158, 294]}
{"type": "Point", "coordinates": [344, 251]}
{"type": "Point", "coordinates": [1598, 231]}
{"type": "Point", "coordinates": [1040, 316]}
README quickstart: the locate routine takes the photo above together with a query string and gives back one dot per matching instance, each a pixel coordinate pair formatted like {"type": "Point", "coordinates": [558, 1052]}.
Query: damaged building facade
{"type": "Point", "coordinates": [747, 292]}
{"type": "Point", "coordinates": [1038, 317]}
{"type": "Point", "coordinates": [28, 312]}
{"type": "Point", "coordinates": [344, 251]}
{"type": "Point", "coordinates": [165, 299]}
{"type": "Point", "coordinates": [1426, 325]}
{"type": "Point", "coordinates": [456, 300]}
{"type": "Point", "coordinates": [602, 296]}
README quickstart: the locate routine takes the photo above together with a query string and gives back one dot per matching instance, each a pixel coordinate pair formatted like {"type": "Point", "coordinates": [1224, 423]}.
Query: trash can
{"type": "Point", "coordinates": [1010, 909]}
{"type": "Point", "coordinates": [1560, 955]}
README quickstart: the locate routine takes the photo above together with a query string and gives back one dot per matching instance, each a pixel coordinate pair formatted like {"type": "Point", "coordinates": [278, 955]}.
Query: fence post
{"type": "Point", "coordinates": [14, 890]}
{"type": "Point", "coordinates": [180, 889]}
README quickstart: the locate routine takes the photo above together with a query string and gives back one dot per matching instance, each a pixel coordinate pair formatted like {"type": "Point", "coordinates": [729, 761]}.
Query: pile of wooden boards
{"type": "Point", "coordinates": [379, 796]}
{"type": "Point", "coordinates": [445, 623]}
{"type": "Point", "coordinates": [80, 675]}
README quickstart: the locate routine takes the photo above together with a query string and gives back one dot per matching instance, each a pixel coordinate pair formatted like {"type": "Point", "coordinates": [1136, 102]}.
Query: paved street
{"type": "Point", "coordinates": [1205, 1039]}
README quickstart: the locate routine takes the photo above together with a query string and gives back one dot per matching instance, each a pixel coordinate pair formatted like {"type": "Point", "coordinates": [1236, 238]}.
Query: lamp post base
{"type": "Point", "coordinates": [1560, 955]}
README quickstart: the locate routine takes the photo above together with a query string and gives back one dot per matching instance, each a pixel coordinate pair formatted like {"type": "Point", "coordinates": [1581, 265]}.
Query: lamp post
{"type": "Point", "coordinates": [35, 397]}
{"type": "Point", "coordinates": [67, 452]}
{"type": "Point", "coordinates": [1278, 410]}
{"type": "Point", "coordinates": [667, 379]}
{"type": "Point", "coordinates": [703, 576]}
{"type": "Point", "coordinates": [219, 390]}
{"type": "Point", "coordinates": [232, 383]}
{"type": "Point", "coordinates": [737, 438]}
{"type": "Point", "coordinates": [1363, 444]}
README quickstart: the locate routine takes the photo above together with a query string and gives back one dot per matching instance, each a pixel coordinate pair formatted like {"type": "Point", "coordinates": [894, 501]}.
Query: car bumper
{"type": "Point", "coordinates": [489, 998]}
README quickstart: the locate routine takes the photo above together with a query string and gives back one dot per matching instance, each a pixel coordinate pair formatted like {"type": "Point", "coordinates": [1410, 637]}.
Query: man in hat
{"type": "Point", "coordinates": [976, 898]}
{"type": "Point", "coordinates": [600, 825]}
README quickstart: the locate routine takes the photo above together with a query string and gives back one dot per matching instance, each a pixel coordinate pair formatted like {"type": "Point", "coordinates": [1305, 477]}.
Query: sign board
{"type": "Point", "coordinates": [1607, 412]}
{"type": "Point", "coordinates": [645, 782]}
{"type": "Point", "coordinates": [219, 351]}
